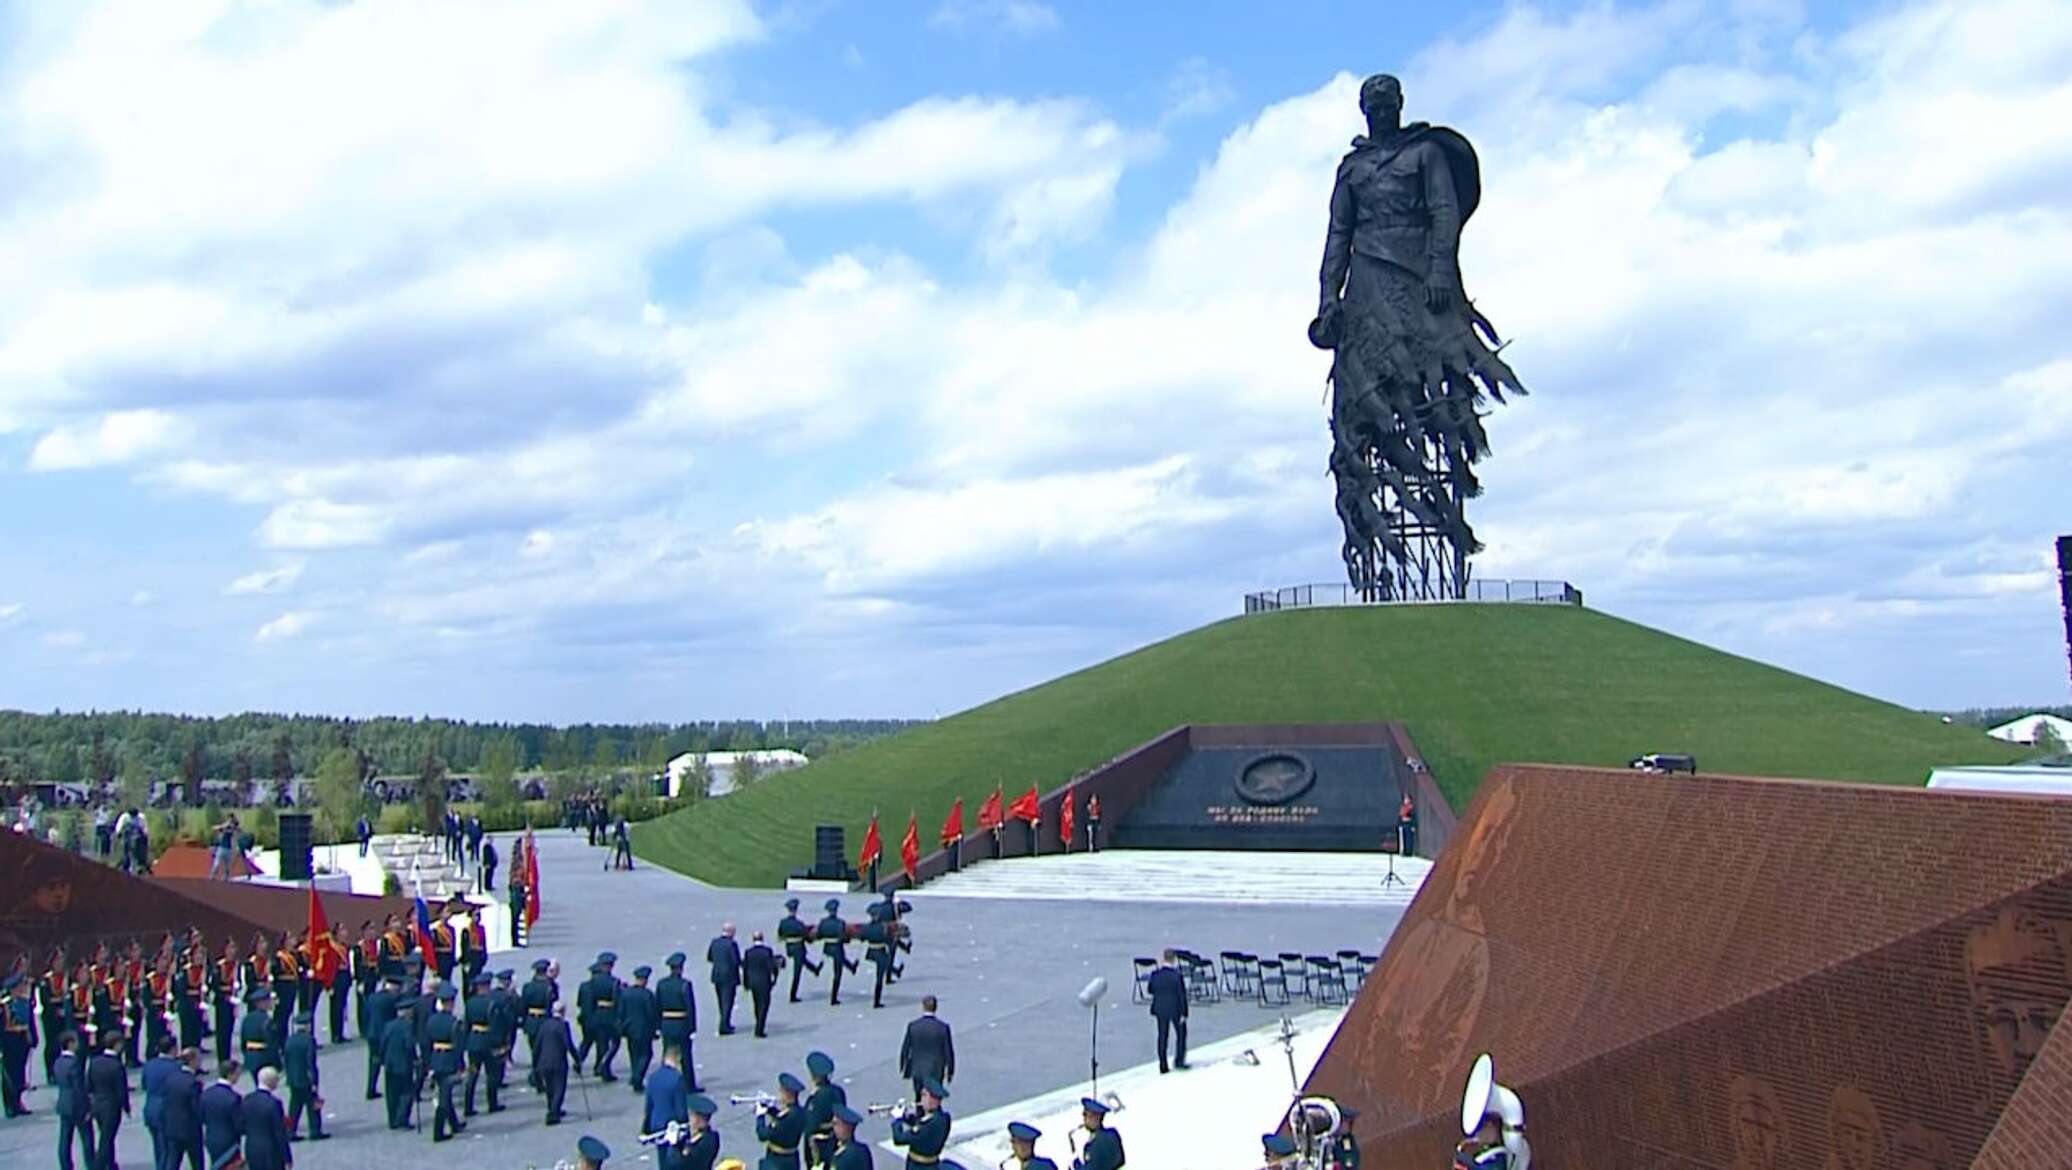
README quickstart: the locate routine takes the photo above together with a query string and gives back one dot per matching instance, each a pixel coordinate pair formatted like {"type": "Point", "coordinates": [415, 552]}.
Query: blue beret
{"type": "Point", "coordinates": [791, 903]}
{"type": "Point", "coordinates": [934, 1088]}
{"type": "Point", "coordinates": [643, 972]}
{"type": "Point", "coordinates": [702, 1105]}
{"type": "Point", "coordinates": [1022, 1131]}
{"type": "Point", "coordinates": [1093, 1106]}
{"type": "Point", "coordinates": [1278, 1145]}
{"type": "Point", "coordinates": [592, 1149]}
{"type": "Point", "coordinates": [541, 964]}
{"type": "Point", "coordinates": [847, 1116]}
{"type": "Point", "coordinates": [675, 960]}
{"type": "Point", "coordinates": [819, 1063]}
{"type": "Point", "coordinates": [789, 1082]}
{"type": "Point", "coordinates": [833, 904]}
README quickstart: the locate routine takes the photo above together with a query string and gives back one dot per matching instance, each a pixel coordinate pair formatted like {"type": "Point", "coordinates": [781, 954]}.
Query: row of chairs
{"type": "Point", "coordinates": [1273, 981]}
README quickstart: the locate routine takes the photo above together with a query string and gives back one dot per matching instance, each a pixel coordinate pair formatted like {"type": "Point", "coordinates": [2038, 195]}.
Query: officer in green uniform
{"type": "Point", "coordinates": [304, 1082]}
{"type": "Point", "coordinates": [479, 1019]}
{"type": "Point", "coordinates": [597, 1010]}
{"type": "Point", "coordinates": [700, 1151]}
{"type": "Point", "coordinates": [791, 931]}
{"type": "Point", "coordinates": [536, 999]}
{"type": "Point", "coordinates": [849, 1154]}
{"type": "Point", "coordinates": [255, 1035]}
{"type": "Point", "coordinates": [637, 1021]}
{"type": "Point", "coordinates": [399, 1063]}
{"type": "Point", "coordinates": [821, 1103]}
{"type": "Point", "coordinates": [380, 1010]}
{"type": "Point", "coordinates": [926, 1130]}
{"type": "Point", "coordinates": [503, 1018]}
{"type": "Point", "coordinates": [833, 934]}
{"type": "Point", "coordinates": [1103, 1147]}
{"type": "Point", "coordinates": [442, 1032]}
{"type": "Point", "coordinates": [781, 1127]}
{"type": "Point", "coordinates": [1022, 1137]}
{"type": "Point", "coordinates": [677, 1009]}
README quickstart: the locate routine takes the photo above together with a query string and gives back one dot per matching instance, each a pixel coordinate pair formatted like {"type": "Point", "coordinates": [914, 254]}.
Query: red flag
{"type": "Point", "coordinates": [532, 880]}
{"type": "Point", "coordinates": [990, 817]}
{"type": "Point", "coordinates": [323, 956]}
{"type": "Point", "coordinates": [1065, 819]}
{"type": "Point", "coordinates": [873, 845]}
{"type": "Point", "coordinates": [910, 848]}
{"type": "Point", "coordinates": [953, 828]}
{"type": "Point", "coordinates": [1026, 807]}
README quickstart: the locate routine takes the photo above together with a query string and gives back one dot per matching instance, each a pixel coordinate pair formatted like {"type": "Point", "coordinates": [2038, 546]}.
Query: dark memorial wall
{"type": "Point", "coordinates": [1270, 796]}
{"type": "Point", "coordinates": [1731, 973]}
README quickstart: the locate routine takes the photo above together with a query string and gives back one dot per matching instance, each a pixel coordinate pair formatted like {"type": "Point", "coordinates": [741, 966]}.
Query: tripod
{"type": "Point", "coordinates": [1390, 879]}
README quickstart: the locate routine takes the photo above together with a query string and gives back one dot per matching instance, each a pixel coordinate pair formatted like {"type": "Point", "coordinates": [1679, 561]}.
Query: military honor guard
{"type": "Point", "coordinates": [781, 1126]}
{"type": "Point", "coordinates": [399, 1060]}
{"type": "Point", "coordinates": [255, 1036]}
{"type": "Point", "coordinates": [17, 1039]}
{"type": "Point", "coordinates": [849, 1154]}
{"type": "Point", "coordinates": [833, 934]}
{"type": "Point", "coordinates": [597, 1012]}
{"type": "Point", "coordinates": [1021, 1137]}
{"type": "Point", "coordinates": [53, 1011]}
{"type": "Point", "coordinates": [304, 1082]}
{"type": "Point", "coordinates": [637, 1020]}
{"type": "Point", "coordinates": [443, 1033]}
{"type": "Point", "coordinates": [190, 996]}
{"type": "Point", "coordinates": [678, 1011]}
{"type": "Point", "coordinates": [821, 1103]}
{"type": "Point", "coordinates": [537, 999]}
{"type": "Point", "coordinates": [479, 1025]}
{"type": "Point", "coordinates": [366, 976]}
{"type": "Point", "coordinates": [339, 989]}
{"type": "Point", "coordinates": [792, 932]}
{"type": "Point", "coordinates": [223, 993]}
{"type": "Point", "coordinates": [287, 982]}
{"type": "Point", "coordinates": [700, 1151]}
{"type": "Point", "coordinates": [1101, 1148]}
{"type": "Point", "coordinates": [925, 1129]}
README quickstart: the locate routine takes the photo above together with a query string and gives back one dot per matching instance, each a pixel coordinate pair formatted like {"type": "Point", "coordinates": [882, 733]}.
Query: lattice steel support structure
{"type": "Point", "coordinates": [1422, 551]}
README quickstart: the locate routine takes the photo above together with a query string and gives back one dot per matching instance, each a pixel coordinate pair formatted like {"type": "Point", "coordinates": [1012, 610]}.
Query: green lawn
{"type": "Point", "coordinates": [1477, 685]}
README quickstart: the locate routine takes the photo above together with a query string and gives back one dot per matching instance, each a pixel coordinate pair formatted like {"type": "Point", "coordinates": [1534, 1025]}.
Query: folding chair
{"type": "Point", "coordinates": [1201, 978]}
{"type": "Point", "coordinates": [1296, 972]}
{"type": "Point", "coordinates": [1233, 965]}
{"type": "Point", "coordinates": [1273, 983]}
{"type": "Point", "coordinates": [1326, 980]}
{"type": "Point", "coordinates": [1355, 971]}
{"type": "Point", "coordinates": [1140, 983]}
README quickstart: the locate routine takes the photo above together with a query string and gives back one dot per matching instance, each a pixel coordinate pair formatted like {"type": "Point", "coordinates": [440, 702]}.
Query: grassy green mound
{"type": "Point", "coordinates": [1477, 685]}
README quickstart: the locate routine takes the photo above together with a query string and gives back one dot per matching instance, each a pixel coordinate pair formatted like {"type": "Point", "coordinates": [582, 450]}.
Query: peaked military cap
{"type": "Point", "coordinates": [643, 972]}
{"type": "Point", "coordinates": [847, 1116]}
{"type": "Point", "coordinates": [607, 958]}
{"type": "Point", "coordinates": [1022, 1131]}
{"type": "Point", "coordinates": [820, 1064]}
{"type": "Point", "coordinates": [791, 903]}
{"type": "Point", "coordinates": [674, 961]}
{"type": "Point", "coordinates": [1278, 1145]}
{"type": "Point", "coordinates": [541, 965]}
{"type": "Point", "coordinates": [592, 1149]}
{"type": "Point", "coordinates": [833, 904]}
{"type": "Point", "coordinates": [1095, 1107]}
{"type": "Point", "coordinates": [789, 1083]}
{"type": "Point", "coordinates": [934, 1088]}
{"type": "Point", "coordinates": [702, 1105]}
{"type": "Point", "coordinates": [504, 976]}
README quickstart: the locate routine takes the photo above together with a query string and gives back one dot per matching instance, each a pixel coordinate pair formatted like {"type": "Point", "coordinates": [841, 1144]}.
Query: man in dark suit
{"type": "Point", "coordinates": [265, 1125]}
{"type": "Point", "coordinates": [927, 1053]}
{"type": "Point", "coordinates": [303, 1097]}
{"type": "Point", "coordinates": [550, 1060]}
{"type": "Point", "coordinates": [759, 975]}
{"type": "Point", "coordinates": [1169, 1007]}
{"type": "Point", "coordinates": [68, 1073]}
{"type": "Point", "coordinates": [725, 956]}
{"type": "Point", "coordinates": [180, 1116]}
{"type": "Point", "coordinates": [107, 1097]}
{"type": "Point", "coordinates": [152, 1081]}
{"type": "Point", "coordinates": [221, 1123]}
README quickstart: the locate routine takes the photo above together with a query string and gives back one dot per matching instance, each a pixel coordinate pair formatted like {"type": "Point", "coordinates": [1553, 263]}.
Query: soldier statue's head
{"type": "Point", "coordinates": [1381, 99]}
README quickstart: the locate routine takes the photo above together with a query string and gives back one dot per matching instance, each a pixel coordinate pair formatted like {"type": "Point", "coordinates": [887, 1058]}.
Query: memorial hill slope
{"type": "Point", "coordinates": [1477, 685]}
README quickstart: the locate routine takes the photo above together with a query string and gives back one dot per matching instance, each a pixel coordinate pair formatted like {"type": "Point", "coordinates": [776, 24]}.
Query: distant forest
{"type": "Point", "coordinates": [108, 747]}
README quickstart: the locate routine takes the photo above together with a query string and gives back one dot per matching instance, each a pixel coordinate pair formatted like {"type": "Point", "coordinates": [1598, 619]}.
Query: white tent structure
{"type": "Point", "coordinates": [2027, 779]}
{"type": "Point", "coordinates": [2029, 728]}
{"type": "Point", "coordinates": [721, 767]}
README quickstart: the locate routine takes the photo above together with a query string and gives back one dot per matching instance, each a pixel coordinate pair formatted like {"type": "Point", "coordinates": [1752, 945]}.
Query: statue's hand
{"type": "Point", "coordinates": [1439, 290]}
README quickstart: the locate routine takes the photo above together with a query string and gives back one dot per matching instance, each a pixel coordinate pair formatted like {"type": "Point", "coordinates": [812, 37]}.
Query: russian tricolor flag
{"type": "Point", "coordinates": [422, 922]}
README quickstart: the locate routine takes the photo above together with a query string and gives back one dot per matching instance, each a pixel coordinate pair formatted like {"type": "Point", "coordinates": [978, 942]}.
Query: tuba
{"type": "Point", "coordinates": [1486, 1098]}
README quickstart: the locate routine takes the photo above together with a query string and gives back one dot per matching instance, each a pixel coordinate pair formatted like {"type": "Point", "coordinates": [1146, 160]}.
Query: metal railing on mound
{"type": "Point", "coordinates": [1487, 590]}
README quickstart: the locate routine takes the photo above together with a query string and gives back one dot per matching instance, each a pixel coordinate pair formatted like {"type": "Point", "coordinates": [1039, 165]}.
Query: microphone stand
{"type": "Point", "coordinates": [1093, 1049]}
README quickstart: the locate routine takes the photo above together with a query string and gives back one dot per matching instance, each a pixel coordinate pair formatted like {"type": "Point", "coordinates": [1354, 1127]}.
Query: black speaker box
{"type": "Point", "coordinates": [295, 847]}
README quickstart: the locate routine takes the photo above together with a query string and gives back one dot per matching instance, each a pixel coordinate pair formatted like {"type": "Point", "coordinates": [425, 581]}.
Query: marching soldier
{"type": "Point", "coordinates": [679, 1015]}
{"type": "Point", "coordinates": [792, 932]}
{"type": "Point", "coordinates": [1103, 1147]}
{"type": "Point", "coordinates": [821, 1104]}
{"type": "Point", "coordinates": [399, 1063]}
{"type": "Point", "coordinates": [849, 1154]}
{"type": "Point", "coordinates": [833, 934]}
{"type": "Point", "coordinates": [782, 1126]}
{"type": "Point", "coordinates": [537, 999]}
{"type": "Point", "coordinates": [442, 1031]}
{"type": "Point", "coordinates": [637, 1019]}
{"type": "Point", "coordinates": [926, 1130]}
{"type": "Point", "coordinates": [597, 1011]}
{"type": "Point", "coordinates": [1022, 1137]}
{"type": "Point", "coordinates": [255, 1035]}
{"type": "Point", "coordinates": [380, 1011]}
{"type": "Point", "coordinates": [479, 1018]}
{"type": "Point", "coordinates": [877, 951]}
{"type": "Point", "coordinates": [503, 1018]}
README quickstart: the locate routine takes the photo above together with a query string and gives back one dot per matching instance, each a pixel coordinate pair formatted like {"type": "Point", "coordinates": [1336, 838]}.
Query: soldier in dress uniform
{"type": "Point", "coordinates": [399, 1059]}
{"type": "Point", "coordinates": [443, 1033]}
{"type": "Point", "coordinates": [637, 1019]}
{"type": "Point", "coordinates": [833, 934]}
{"type": "Point", "coordinates": [591, 1153]}
{"type": "Point", "coordinates": [849, 1154]}
{"type": "Point", "coordinates": [53, 1010]}
{"type": "Point", "coordinates": [380, 1012]}
{"type": "Point", "coordinates": [474, 940]}
{"type": "Point", "coordinates": [877, 951]}
{"type": "Point", "coordinates": [925, 1130]}
{"type": "Point", "coordinates": [255, 1035]}
{"type": "Point", "coordinates": [223, 993]}
{"type": "Point", "coordinates": [678, 1009]}
{"type": "Point", "coordinates": [158, 1003]}
{"type": "Point", "coordinates": [537, 999]}
{"type": "Point", "coordinates": [1022, 1137]}
{"type": "Point", "coordinates": [17, 1038]}
{"type": "Point", "coordinates": [792, 932]}
{"type": "Point", "coordinates": [341, 985]}
{"type": "Point", "coordinates": [1102, 1149]}
{"type": "Point", "coordinates": [597, 1010]}
{"type": "Point", "coordinates": [300, 1056]}
{"type": "Point", "coordinates": [443, 946]}
{"type": "Point", "coordinates": [190, 989]}
{"type": "Point", "coordinates": [394, 945]}
{"type": "Point", "coordinates": [503, 1015]}
{"type": "Point", "coordinates": [782, 1126]}
{"type": "Point", "coordinates": [821, 1104]}
{"type": "Point", "coordinates": [366, 977]}
{"type": "Point", "coordinates": [287, 982]}
{"type": "Point", "coordinates": [701, 1150]}
{"type": "Point", "coordinates": [478, 1019]}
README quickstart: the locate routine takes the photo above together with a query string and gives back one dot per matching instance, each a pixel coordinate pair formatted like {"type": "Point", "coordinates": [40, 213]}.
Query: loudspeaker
{"type": "Point", "coordinates": [295, 847]}
{"type": "Point", "coordinates": [830, 852]}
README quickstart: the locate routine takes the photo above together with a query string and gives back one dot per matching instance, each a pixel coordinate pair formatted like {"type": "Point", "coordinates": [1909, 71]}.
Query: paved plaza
{"type": "Point", "coordinates": [1006, 971]}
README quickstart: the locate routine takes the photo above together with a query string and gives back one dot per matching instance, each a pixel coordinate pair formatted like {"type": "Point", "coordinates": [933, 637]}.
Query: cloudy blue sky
{"type": "Point", "coordinates": [628, 361]}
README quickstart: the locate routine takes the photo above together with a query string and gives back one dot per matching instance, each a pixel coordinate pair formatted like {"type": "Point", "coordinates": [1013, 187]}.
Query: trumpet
{"type": "Point", "coordinates": [899, 1108]}
{"type": "Point", "coordinates": [672, 1134]}
{"type": "Point", "coordinates": [763, 1102]}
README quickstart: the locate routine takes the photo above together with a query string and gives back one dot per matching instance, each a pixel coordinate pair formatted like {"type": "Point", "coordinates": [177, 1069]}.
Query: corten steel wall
{"type": "Point", "coordinates": [1720, 972]}
{"type": "Point", "coordinates": [1435, 817]}
{"type": "Point", "coordinates": [51, 897]}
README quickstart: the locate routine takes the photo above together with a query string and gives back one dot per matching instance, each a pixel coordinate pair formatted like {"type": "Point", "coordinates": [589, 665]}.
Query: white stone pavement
{"type": "Point", "coordinates": [1224, 877]}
